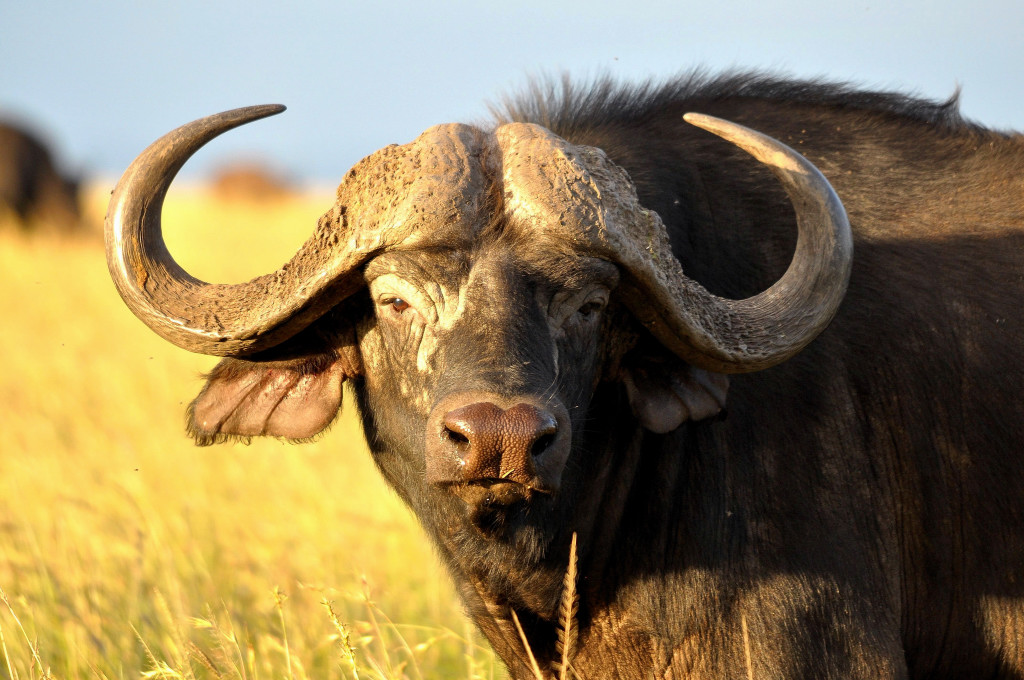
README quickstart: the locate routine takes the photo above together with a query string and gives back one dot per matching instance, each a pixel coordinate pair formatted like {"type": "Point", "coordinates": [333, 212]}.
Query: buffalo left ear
{"type": "Point", "coordinates": [291, 391]}
{"type": "Point", "coordinates": [665, 393]}
{"type": "Point", "coordinates": [295, 400]}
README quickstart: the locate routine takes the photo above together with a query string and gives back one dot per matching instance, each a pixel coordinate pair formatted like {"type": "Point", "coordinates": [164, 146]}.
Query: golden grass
{"type": "Point", "coordinates": [127, 552]}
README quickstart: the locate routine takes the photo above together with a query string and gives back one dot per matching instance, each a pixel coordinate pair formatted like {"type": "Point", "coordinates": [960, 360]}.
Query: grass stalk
{"type": "Point", "coordinates": [526, 645]}
{"type": "Point", "coordinates": [344, 639]}
{"type": "Point", "coordinates": [279, 598]}
{"type": "Point", "coordinates": [746, 646]}
{"type": "Point", "coordinates": [43, 671]}
{"type": "Point", "coordinates": [7, 657]}
{"type": "Point", "coordinates": [567, 627]}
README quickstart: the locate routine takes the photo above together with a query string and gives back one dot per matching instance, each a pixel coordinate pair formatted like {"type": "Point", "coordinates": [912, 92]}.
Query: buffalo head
{"type": "Point", "coordinates": [479, 288]}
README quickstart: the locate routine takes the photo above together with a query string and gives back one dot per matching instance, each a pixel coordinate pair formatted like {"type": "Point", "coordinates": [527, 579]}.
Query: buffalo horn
{"type": "Point", "coordinates": [738, 336]}
{"type": "Point", "coordinates": [218, 319]}
{"type": "Point", "coordinates": [582, 198]}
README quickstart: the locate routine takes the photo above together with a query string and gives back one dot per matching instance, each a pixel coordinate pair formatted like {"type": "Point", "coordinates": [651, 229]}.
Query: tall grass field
{"type": "Point", "coordinates": [128, 552]}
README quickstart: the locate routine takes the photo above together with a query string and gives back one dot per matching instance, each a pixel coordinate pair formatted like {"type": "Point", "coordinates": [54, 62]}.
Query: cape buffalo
{"type": "Point", "coordinates": [531, 365]}
{"type": "Point", "coordinates": [30, 184]}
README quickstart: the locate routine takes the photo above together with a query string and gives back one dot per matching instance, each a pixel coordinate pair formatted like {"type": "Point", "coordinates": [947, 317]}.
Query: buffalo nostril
{"type": "Point", "coordinates": [542, 444]}
{"type": "Point", "coordinates": [464, 427]}
{"type": "Point", "coordinates": [460, 440]}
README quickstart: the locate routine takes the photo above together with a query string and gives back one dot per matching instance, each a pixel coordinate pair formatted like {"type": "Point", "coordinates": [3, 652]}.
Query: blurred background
{"type": "Point", "coordinates": [104, 79]}
{"type": "Point", "coordinates": [126, 551]}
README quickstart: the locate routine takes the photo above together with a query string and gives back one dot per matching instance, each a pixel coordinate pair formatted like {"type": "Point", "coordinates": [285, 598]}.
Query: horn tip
{"type": "Point", "coordinates": [717, 126]}
{"type": "Point", "coordinates": [264, 110]}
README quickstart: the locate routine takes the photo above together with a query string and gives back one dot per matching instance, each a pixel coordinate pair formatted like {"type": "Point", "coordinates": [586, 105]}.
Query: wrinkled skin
{"type": "Point", "coordinates": [531, 327]}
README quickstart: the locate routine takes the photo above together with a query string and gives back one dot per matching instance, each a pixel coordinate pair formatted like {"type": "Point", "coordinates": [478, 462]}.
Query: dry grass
{"type": "Point", "coordinates": [126, 552]}
{"type": "Point", "coordinates": [567, 622]}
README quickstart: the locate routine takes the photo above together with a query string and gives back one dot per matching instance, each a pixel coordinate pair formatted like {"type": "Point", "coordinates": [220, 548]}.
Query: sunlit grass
{"type": "Point", "coordinates": [127, 552]}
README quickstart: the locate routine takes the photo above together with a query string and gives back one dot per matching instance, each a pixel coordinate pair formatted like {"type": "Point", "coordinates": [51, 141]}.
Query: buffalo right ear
{"type": "Point", "coordinates": [293, 399]}
{"type": "Point", "coordinates": [665, 392]}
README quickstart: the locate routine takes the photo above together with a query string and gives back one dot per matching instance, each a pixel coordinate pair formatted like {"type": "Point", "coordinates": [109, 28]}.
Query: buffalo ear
{"type": "Point", "coordinates": [666, 392]}
{"type": "Point", "coordinates": [292, 390]}
{"type": "Point", "coordinates": [294, 399]}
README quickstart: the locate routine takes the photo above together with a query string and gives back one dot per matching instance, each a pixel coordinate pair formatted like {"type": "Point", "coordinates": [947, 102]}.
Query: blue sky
{"type": "Point", "coordinates": [104, 79]}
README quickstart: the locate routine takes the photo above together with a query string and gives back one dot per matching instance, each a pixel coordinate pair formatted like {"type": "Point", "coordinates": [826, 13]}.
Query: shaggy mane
{"type": "Point", "coordinates": [565, 106]}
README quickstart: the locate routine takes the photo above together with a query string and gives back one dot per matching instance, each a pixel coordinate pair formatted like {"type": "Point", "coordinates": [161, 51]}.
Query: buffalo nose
{"type": "Point", "coordinates": [496, 443]}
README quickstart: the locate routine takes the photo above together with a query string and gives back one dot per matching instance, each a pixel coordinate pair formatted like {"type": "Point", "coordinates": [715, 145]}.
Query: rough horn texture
{"type": "Point", "coordinates": [395, 199]}
{"type": "Point", "coordinates": [241, 319]}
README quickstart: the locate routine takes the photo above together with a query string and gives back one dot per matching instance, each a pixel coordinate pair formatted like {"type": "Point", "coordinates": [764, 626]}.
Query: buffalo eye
{"type": "Point", "coordinates": [396, 307]}
{"type": "Point", "coordinates": [400, 310]}
{"type": "Point", "coordinates": [590, 308]}
{"type": "Point", "coordinates": [398, 304]}
{"type": "Point", "coordinates": [593, 306]}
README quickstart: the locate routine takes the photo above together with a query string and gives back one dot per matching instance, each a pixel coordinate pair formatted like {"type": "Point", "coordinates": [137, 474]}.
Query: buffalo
{"type": "Point", "coordinates": [31, 186]}
{"type": "Point", "coordinates": [801, 458]}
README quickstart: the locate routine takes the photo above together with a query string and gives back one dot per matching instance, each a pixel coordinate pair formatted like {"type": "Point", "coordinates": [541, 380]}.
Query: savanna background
{"type": "Point", "coordinates": [127, 552]}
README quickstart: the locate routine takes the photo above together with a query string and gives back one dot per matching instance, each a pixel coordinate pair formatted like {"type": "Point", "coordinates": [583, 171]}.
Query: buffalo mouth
{"type": "Point", "coordinates": [495, 507]}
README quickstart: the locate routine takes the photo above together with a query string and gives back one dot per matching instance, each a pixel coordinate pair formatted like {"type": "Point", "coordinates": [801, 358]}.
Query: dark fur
{"type": "Point", "coordinates": [886, 461]}
{"type": "Point", "coordinates": [30, 184]}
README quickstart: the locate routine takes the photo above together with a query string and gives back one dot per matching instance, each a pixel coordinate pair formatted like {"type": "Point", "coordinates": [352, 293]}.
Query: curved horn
{"type": "Point", "coordinates": [582, 198]}
{"type": "Point", "coordinates": [736, 336]}
{"type": "Point", "coordinates": [224, 320]}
